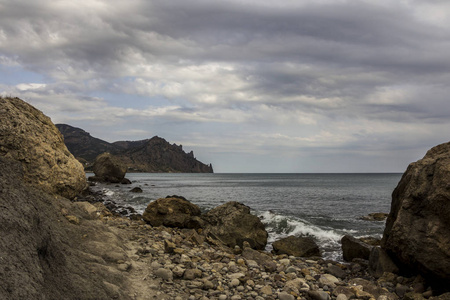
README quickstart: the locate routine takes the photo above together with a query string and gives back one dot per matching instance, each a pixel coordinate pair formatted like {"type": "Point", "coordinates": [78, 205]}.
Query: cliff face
{"type": "Point", "coordinates": [157, 155]}
{"type": "Point", "coordinates": [151, 155]}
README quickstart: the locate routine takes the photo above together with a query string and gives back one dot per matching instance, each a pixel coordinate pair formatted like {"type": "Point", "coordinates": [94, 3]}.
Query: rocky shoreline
{"type": "Point", "coordinates": [59, 241]}
{"type": "Point", "coordinates": [182, 264]}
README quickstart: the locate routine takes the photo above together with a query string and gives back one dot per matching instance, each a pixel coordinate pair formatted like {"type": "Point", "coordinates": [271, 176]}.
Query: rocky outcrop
{"type": "Point", "coordinates": [149, 155]}
{"type": "Point", "coordinates": [28, 136]}
{"type": "Point", "coordinates": [354, 248]}
{"type": "Point", "coordinates": [233, 224]}
{"type": "Point", "coordinates": [417, 232]}
{"type": "Point", "coordinates": [173, 211]}
{"type": "Point", "coordinates": [303, 246]}
{"type": "Point", "coordinates": [82, 145]}
{"type": "Point", "coordinates": [158, 155]}
{"type": "Point", "coordinates": [107, 168]}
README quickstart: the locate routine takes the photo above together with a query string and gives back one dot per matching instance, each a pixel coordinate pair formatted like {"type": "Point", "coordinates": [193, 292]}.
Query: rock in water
{"type": "Point", "coordinates": [28, 136]}
{"type": "Point", "coordinates": [173, 212]}
{"type": "Point", "coordinates": [417, 232]}
{"type": "Point", "coordinates": [109, 168]}
{"type": "Point", "coordinates": [297, 246]}
{"type": "Point", "coordinates": [232, 224]}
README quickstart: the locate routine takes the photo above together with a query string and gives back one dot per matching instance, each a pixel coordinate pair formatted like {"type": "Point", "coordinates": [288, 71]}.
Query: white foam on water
{"type": "Point", "coordinates": [279, 226]}
{"type": "Point", "coordinates": [108, 193]}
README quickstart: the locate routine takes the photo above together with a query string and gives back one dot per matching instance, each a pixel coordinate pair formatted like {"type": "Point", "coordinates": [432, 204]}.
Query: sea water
{"type": "Point", "coordinates": [323, 206]}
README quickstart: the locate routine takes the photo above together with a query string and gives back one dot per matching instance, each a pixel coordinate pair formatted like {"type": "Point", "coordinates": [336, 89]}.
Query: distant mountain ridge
{"type": "Point", "coordinates": [153, 155]}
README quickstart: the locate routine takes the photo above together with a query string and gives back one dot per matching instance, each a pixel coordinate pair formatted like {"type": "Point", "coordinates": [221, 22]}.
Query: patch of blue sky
{"type": "Point", "coordinates": [13, 75]}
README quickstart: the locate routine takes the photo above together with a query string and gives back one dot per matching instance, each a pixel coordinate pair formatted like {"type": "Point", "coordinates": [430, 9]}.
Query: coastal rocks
{"type": "Point", "coordinates": [380, 262]}
{"type": "Point", "coordinates": [173, 212]}
{"type": "Point", "coordinates": [354, 248]}
{"type": "Point", "coordinates": [232, 224]}
{"type": "Point", "coordinates": [297, 246]}
{"type": "Point", "coordinates": [417, 232]}
{"type": "Point", "coordinates": [136, 190]}
{"type": "Point", "coordinates": [108, 168]}
{"type": "Point", "coordinates": [28, 136]}
{"type": "Point", "coordinates": [375, 217]}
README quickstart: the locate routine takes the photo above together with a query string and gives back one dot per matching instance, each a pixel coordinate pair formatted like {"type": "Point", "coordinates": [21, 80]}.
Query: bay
{"type": "Point", "coordinates": [324, 206]}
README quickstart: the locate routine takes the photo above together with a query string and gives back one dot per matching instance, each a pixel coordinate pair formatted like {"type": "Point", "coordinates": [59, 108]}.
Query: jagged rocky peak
{"type": "Point", "coordinates": [148, 155]}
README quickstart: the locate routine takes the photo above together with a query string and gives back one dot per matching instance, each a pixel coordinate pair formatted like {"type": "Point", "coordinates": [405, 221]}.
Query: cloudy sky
{"type": "Point", "coordinates": [250, 86]}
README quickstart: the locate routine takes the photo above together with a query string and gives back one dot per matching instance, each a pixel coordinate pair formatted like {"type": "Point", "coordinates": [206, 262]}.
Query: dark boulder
{"type": "Point", "coordinates": [354, 248]}
{"type": "Point", "coordinates": [417, 232]}
{"type": "Point", "coordinates": [109, 168]}
{"type": "Point", "coordinates": [173, 212]}
{"type": "Point", "coordinates": [136, 190]}
{"type": "Point", "coordinates": [304, 246]}
{"type": "Point", "coordinates": [233, 224]}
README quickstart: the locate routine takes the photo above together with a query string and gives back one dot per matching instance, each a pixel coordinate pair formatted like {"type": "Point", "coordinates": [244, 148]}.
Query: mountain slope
{"type": "Point", "coordinates": [151, 155]}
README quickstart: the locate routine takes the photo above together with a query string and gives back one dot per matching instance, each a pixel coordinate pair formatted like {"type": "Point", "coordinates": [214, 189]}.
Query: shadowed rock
{"type": "Point", "coordinates": [233, 224]}
{"type": "Point", "coordinates": [108, 168]}
{"type": "Point", "coordinates": [417, 232]}
{"type": "Point", "coordinates": [297, 246]}
{"type": "Point", "coordinates": [173, 212]}
{"type": "Point", "coordinates": [354, 248]}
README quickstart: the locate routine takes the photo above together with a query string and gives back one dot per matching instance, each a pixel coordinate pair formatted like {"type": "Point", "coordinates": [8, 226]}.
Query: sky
{"type": "Point", "coordinates": [249, 86]}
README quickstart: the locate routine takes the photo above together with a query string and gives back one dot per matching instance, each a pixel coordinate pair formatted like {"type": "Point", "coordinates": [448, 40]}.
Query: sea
{"type": "Point", "coordinates": [323, 206]}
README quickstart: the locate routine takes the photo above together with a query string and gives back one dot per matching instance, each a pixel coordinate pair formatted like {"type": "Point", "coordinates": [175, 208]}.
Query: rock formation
{"type": "Point", "coordinates": [149, 155]}
{"type": "Point", "coordinates": [233, 224]}
{"type": "Point", "coordinates": [173, 211]}
{"type": "Point", "coordinates": [157, 155]}
{"type": "Point", "coordinates": [108, 168]}
{"type": "Point", "coordinates": [417, 232]}
{"type": "Point", "coordinates": [304, 246]}
{"type": "Point", "coordinates": [28, 136]}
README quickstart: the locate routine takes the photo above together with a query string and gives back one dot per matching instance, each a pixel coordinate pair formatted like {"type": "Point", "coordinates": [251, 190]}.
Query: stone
{"type": "Point", "coordinates": [375, 217]}
{"type": "Point", "coordinates": [329, 280]}
{"type": "Point", "coordinates": [285, 296]}
{"type": "Point", "coordinates": [267, 290]}
{"type": "Point", "coordinates": [191, 274]}
{"type": "Point", "coordinates": [164, 274]}
{"type": "Point", "coordinates": [319, 295]}
{"type": "Point", "coordinates": [108, 168]}
{"type": "Point", "coordinates": [365, 288]}
{"type": "Point", "coordinates": [30, 137]}
{"type": "Point", "coordinates": [297, 246]}
{"type": "Point", "coordinates": [380, 262]}
{"type": "Point", "coordinates": [173, 212]}
{"type": "Point", "coordinates": [88, 208]}
{"type": "Point", "coordinates": [417, 232]}
{"type": "Point", "coordinates": [341, 297]}
{"type": "Point", "coordinates": [136, 190]}
{"type": "Point", "coordinates": [233, 224]}
{"type": "Point", "coordinates": [336, 271]}
{"type": "Point", "coordinates": [73, 219]}
{"type": "Point", "coordinates": [354, 248]}
{"type": "Point", "coordinates": [262, 259]}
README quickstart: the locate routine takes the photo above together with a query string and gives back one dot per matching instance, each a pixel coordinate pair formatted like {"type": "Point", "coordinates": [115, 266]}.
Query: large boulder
{"type": "Point", "coordinates": [354, 248]}
{"type": "Point", "coordinates": [303, 246]}
{"type": "Point", "coordinates": [417, 232]}
{"type": "Point", "coordinates": [173, 211]}
{"type": "Point", "coordinates": [109, 168]}
{"type": "Point", "coordinates": [233, 224]}
{"type": "Point", "coordinates": [28, 136]}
